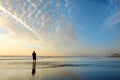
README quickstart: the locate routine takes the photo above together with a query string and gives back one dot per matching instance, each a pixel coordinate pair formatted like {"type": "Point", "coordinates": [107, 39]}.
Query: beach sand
{"type": "Point", "coordinates": [72, 68]}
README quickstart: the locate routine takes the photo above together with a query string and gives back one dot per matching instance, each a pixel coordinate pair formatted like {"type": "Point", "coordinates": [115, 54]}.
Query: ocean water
{"type": "Point", "coordinates": [60, 68]}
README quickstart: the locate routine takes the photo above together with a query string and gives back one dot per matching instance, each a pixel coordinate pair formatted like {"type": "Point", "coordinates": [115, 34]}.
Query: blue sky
{"type": "Point", "coordinates": [67, 27]}
{"type": "Point", "coordinates": [91, 16]}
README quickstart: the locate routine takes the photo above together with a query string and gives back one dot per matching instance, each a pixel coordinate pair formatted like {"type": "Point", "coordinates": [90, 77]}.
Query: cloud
{"type": "Point", "coordinates": [41, 22]}
{"type": "Point", "coordinates": [114, 18]}
{"type": "Point", "coordinates": [16, 29]}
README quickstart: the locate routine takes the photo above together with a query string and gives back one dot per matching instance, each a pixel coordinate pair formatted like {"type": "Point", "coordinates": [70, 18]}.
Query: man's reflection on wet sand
{"type": "Point", "coordinates": [34, 68]}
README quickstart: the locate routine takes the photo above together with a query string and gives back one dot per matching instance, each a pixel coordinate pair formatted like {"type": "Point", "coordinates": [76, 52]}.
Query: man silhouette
{"type": "Point", "coordinates": [34, 56]}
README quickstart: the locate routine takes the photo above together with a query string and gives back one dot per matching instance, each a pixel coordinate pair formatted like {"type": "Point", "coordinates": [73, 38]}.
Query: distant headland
{"type": "Point", "coordinates": [115, 55]}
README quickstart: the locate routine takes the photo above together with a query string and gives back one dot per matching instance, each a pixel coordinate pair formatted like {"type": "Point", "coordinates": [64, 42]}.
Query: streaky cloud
{"type": "Point", "coordinates": [114, 18]}
{"type": "Point", "coordinates": [42, 22]}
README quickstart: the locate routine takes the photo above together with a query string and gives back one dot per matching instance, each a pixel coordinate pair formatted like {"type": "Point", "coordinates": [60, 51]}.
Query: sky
{"type": "Point", "coordinates": [60, 27]}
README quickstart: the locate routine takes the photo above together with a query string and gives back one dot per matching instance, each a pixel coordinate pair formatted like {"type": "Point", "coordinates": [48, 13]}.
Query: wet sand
{"type": "Point", "coordinates": [73, 68]}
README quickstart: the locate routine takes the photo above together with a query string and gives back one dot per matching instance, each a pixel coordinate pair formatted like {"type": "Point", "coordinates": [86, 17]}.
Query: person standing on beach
{"type": "Point", "coordinates": [34, 56]}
